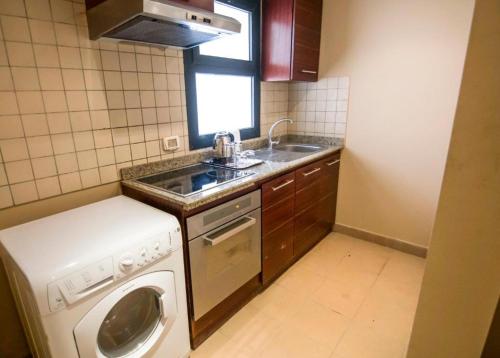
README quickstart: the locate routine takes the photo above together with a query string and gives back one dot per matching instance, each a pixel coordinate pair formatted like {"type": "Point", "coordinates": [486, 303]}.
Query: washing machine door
{"type": "Point", "coordinates": [130, 321]}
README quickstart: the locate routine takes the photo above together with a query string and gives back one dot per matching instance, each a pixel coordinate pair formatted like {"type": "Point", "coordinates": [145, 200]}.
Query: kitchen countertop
{"type": "Point", "coordinates": [262, 171]}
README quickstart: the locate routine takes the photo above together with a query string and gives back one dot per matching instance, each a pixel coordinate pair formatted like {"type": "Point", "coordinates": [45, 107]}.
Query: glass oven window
{"type": "Point", "coordinates": [129, 323]}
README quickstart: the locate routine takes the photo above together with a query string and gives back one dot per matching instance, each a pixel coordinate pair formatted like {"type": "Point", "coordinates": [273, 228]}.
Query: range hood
{"type": "Point", "coordinates": [159, 22]}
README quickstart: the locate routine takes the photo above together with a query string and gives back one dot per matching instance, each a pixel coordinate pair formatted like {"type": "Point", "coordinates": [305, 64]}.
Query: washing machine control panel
{"type": "Point", "coordinates": [81, 283]}
{"type": "Point", "coordinates": [142, 255]}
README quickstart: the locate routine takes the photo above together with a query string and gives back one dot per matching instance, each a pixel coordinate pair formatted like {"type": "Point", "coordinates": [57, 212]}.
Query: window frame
{"type": "Point", "coordinates": [194, 63]}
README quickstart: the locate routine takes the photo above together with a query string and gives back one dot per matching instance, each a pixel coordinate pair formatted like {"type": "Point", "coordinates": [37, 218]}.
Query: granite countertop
{"type": "Point", "coordinates": [262, 171]}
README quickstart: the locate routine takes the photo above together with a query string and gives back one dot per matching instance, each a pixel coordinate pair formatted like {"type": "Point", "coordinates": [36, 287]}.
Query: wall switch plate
{"type": "Point", "coordinates": [171, 143]}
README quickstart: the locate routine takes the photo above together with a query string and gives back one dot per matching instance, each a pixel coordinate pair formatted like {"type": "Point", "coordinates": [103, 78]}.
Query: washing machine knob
{"type": "Point", "coordinates": [126, 263]}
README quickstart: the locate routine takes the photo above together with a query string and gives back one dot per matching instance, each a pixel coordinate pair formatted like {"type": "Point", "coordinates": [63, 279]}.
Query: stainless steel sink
{"type": "Point", "coordinates": [287, 152]}
{"type": "Point", "coordinates": [298, 148]}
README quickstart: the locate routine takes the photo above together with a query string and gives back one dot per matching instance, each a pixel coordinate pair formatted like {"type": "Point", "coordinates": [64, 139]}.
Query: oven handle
{"type": "Point", "coordinates": [247, 222]}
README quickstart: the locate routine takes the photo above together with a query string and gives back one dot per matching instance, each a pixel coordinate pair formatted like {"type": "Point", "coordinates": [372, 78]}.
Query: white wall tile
{"type": "Point", "coordinates": [12, 7]}
{"type": "Point", "coordinates": [46, 55]}
{"type": "Point", "coordinates": [66, 163]}
{"type": "Point", "coordinates": [15, 28]}
{"type": "Point", "coordinates": [50, 79]}
{"type": "Point", "coordinates": [5, 197]}
{"type": "Point", "coordinates": [38, 9]}
{"type": "Point", "coordinates": [35, 124]}
{"type": "Point", "coordinates": [70, 182]}
{"type": "Point", "coordinates": [48, 187]}
{"type": "Point", "coordinates": [8, 103]}
{"type": "Point", "coordinates": [14, 149]}
{"type": "Point", "coordinates": [58, 123]}
{"type": "Point", "coordinates": [90, 177]}
{"type": "Point", "coordinates": [79, 110]}
{"type": "Point", "coordinates": [42, 32]}
{"type": "Point", "coordinates": [24, 192]}
{"type": "Point", "coordinates": [19, 171]}
{"type": "Point", "coordinates": [30, 102]}
{"type": "Point", "coordinates": [11, 127]}
{"type": "Point", "coordinates": [44, 167]}
{"type": "Point", "coordinates": [39, 146]}
{"type": "Point", "coordinates": [87, 159]}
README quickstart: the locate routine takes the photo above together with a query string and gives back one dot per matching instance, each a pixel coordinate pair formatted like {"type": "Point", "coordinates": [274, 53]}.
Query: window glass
{"type": "Point", "coordinates": [129, 323]}
{"type": "Point", "coordinates": [224, 102]}
{"type": "Point", "coordinates": [235, 46]}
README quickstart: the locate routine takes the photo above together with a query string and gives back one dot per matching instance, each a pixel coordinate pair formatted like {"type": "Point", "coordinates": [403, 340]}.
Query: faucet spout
{"type": "Point", "coordinates": [270, 135]}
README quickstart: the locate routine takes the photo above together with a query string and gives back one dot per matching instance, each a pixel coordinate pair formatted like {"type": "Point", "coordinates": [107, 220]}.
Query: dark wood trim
{"type": "Point", "coordinates": [209, 323]}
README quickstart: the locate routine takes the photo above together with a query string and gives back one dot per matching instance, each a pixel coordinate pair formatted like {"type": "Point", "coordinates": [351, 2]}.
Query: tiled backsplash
{"type": "Point", "coordinates": [319, 108]}
{"type": "Point", "coordinates": [74, 111]}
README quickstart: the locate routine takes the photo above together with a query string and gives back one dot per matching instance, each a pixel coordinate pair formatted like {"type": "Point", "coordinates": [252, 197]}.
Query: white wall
{"type": "Point", "coordinates": [461, 284]}
{"type": "Point", "coordinates": [404, 60]}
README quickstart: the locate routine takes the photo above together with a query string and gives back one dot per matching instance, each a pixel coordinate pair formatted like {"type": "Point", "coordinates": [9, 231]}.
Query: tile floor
{"type": "Point", "coordinates": [346, 298]}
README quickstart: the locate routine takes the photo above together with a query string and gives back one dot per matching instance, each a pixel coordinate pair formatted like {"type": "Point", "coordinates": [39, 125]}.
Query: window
{"type": "Point", "coordinates": [223, 78]}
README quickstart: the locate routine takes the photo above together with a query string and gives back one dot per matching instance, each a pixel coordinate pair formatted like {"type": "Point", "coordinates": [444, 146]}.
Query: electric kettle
{"type": "Point", "coordinates": [223, 144]}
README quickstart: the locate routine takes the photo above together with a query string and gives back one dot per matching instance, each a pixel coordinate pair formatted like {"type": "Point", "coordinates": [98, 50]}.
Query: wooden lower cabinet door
{"type": "Point", "coordinates": [277, 251]}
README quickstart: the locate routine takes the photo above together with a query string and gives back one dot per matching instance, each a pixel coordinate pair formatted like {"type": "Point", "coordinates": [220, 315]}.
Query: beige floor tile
{"type": "Point", "coordinates": [346, 298]}
{"type": "Point", "coordinates": [220, 346]}
{"type": "Point", "coordinates": [301, 281]}
{"type": "Point", "coordinates": [405, 268]}
{"type": "Point", "coordinates": [364, 342]}
{"type": "Point", "coordinates": [319, 323]}
{"type": "Point", "coordinates": [249, 328]}
{"type": "Point", "coordinates": [363, 258]}
{"type": "Point", "coordinates": [322, 260]}
{"type": "Point", "coordinates": [278, 302]}
{"type": "Point", "coordinates": [341, 296]}
{"type": "Point", "coordinates": [290, 343]}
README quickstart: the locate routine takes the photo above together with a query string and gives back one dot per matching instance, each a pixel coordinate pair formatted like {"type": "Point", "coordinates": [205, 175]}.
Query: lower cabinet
{"type": "Point", "coordinates": [298, 210]}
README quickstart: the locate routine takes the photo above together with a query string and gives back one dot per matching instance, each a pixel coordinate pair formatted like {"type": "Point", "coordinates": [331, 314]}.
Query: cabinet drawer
{"type": "Point", "coordinates": [307, 218]}
{"type": "Point", "coordinates": [308, 196]}
{"type": "Point", "coordinates": [306, 239]}
{"type": "Point", "coordinates": [278, 189]}
{"type": "Point", "coordinates": [276, 215]}
{"type": "Point", "coordinates": [330, 178]}
{"type": "Point", "coordinates": [277, 251]}
{"type": "Point", "coordinates": [331, 165]}
{"type": "Point", "coordinates": [308, 174]}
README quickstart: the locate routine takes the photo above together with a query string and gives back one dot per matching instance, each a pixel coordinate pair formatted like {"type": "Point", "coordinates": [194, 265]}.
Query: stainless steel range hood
{"type": "Point", "coordinates": [160, 22]}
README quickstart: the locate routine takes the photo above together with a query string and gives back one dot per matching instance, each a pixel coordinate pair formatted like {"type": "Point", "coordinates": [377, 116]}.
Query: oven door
{"type": "Point", "coordinates": [223, 260]}
{"type": "Point", "coordinates": [130, 321]}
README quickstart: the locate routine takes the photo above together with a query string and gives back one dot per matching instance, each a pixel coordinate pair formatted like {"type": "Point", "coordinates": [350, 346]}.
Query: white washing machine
{"type": "Point", "coordinates": [103, 280]}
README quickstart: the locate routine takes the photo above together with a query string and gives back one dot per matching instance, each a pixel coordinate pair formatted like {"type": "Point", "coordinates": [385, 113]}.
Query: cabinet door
{"type": "Point", "coordinates": [277, 252]}
{"type": "Point", "coordinates": [277, 26]}
{"type": "Point", "coordinates": [331, 168]}
{"type": "Point", "coordinates": [306, 40]}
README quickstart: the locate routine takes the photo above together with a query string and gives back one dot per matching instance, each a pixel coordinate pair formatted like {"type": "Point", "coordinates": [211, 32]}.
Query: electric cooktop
{"type": "Point", "coordinates": [234, 163]}
{"type": "Point", "coordinates": [193, 179]}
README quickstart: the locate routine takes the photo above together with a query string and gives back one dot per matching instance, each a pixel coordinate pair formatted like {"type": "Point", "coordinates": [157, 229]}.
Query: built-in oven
{"type": "Point", "coordinates": [224, 250]}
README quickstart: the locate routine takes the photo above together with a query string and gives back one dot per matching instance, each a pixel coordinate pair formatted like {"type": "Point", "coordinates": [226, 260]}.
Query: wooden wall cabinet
{"type": "Point", "coordinates": [291, 34]}
{"type": "Point", "coordinates": [298, 210]}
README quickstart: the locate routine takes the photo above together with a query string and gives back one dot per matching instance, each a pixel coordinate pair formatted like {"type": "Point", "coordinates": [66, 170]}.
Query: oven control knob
{"type": "Point", "coordinates": [126, 263]}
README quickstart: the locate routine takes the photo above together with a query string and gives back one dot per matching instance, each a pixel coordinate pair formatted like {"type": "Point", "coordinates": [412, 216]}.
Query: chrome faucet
{"type": "Point", "coordinates": [271, 142]}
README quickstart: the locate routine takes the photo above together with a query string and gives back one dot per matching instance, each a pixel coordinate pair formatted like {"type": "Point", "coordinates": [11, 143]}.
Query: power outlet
{"type": "Point", "coordinates": [171, 144]}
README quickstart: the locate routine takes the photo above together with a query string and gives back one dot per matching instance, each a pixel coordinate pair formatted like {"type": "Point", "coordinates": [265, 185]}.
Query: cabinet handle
{"type": "Point", "coordinates": [283, 246]}
{"type": "Point", "coordinates": [309, 71]}
{"type": "Point", "coordinates": [282, 185]}
{"type": "Point", "coordinates": [332, 163]}
{"type": "Point", "coordinates": [311, 172]}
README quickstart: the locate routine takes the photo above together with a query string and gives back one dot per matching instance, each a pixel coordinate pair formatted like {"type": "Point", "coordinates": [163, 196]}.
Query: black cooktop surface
{"type": "Point", "coordinates": [193, 179]}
